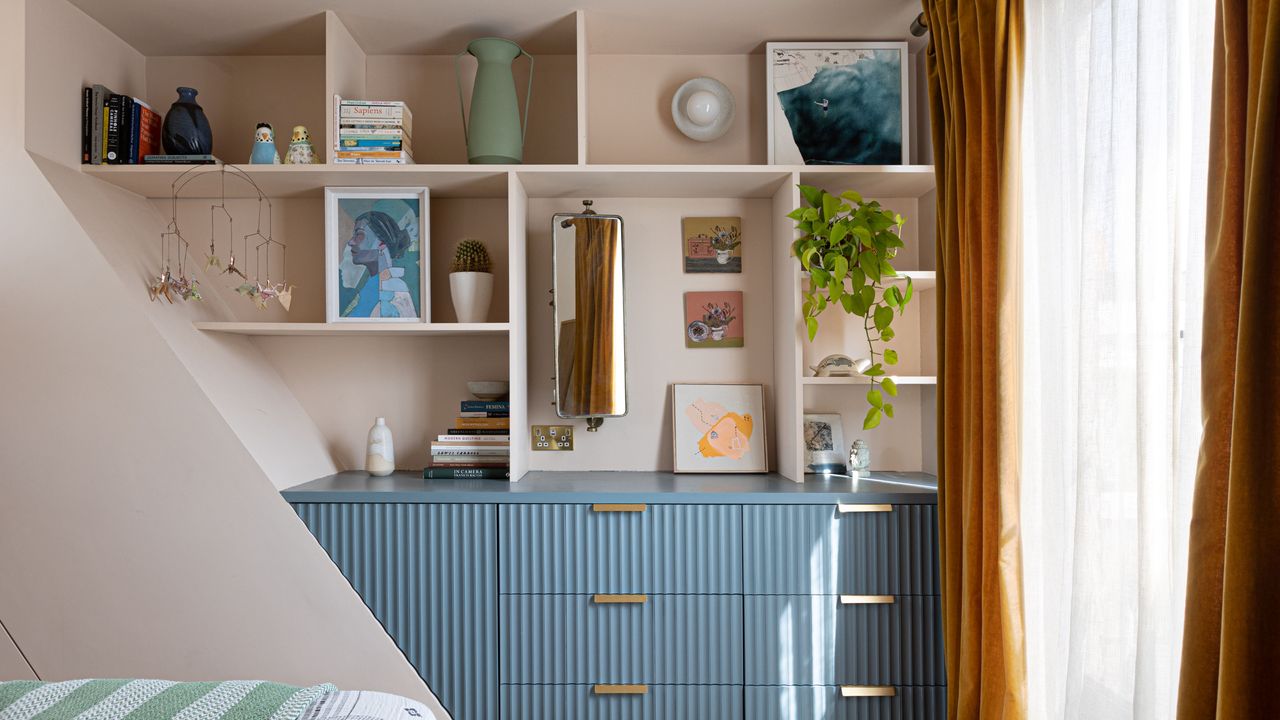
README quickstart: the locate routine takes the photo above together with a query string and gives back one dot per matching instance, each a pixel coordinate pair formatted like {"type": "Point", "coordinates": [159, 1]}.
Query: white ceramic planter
{"type": "Point", "coordinates": [717, 333]}
{"type": "Point", "coordinates": [380, 458]}
{"type": "Point", "coordinates": [722, 256]}
{"type": "Point", "coordinates": [471, 293]}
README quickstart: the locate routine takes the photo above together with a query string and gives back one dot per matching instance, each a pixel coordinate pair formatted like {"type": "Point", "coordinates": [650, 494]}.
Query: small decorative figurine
{"type": "Point", "coordinates": [264, 146]}
{"type": "Point", "coordinates": [838, 365]}
{"type": "Point", "coordinates": [300, 151]}
{"type": "Point", "coordinates": [860, 458]}
{"type": "Point", "coordinates": [380, 459]}
{"type": "Point", "coordinates": [186, 129]}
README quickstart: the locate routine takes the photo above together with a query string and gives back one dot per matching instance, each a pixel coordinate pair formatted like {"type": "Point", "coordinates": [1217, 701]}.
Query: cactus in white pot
{"type": "Point", "coordinates": [471, 282]}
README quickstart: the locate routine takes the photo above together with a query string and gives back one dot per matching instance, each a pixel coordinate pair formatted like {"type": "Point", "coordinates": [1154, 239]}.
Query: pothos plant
{"type": "Point", "coordinates": [847, 246]}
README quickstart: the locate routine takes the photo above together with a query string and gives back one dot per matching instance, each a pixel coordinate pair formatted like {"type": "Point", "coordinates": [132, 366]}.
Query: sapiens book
{"type": "Point", "coordinates": [438, 473]}
{"type": "Point", "coordinates": [354, 111]}
{"type": "Point", "coordinates": [485, 406]}
{"type": "Point", "coordinates": [180, 160]}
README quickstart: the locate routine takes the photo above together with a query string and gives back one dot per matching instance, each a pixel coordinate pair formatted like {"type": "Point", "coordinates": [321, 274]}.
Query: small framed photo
{"type": "Point", "coordinates": [824, 444]}
{"type": "Point", "coordinates": [713, 319]}
{"type": "Point", "coordinates": [712, 244]}
{"type": "Point", "coordinates": [719, 429]}
{"type": "Point", "coordinates": [376, 254]}
{"type": "Point", "coordinates": [837, 103]}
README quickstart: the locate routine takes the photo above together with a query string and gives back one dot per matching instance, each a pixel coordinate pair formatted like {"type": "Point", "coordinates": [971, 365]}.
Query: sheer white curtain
{"type": "Point", "coordinates": [1114, 156]}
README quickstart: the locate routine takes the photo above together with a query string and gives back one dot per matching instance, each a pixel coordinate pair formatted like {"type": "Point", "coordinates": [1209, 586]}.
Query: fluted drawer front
{"type": "Point", "coordinates": [548, 548]}
{"type": "Point", "coordinates": [817, 640]}
{"type": "Point", "coordinates": [428, 573]}
{"type": "Point", "coordinates": [818, 550]}
{"type": "Point", "coordinates": [672, 639]}
{"type": "Point", "coordinates": [659, 702]}
{"type": "Point", "coordinates": [826, 703]}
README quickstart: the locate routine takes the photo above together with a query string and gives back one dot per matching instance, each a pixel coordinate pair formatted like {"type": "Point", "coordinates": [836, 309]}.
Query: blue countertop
{"type": "Point", "coordinates": [621, 487]}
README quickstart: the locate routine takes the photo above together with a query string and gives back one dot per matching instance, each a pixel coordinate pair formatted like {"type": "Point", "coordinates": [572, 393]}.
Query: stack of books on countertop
{"type": "Point", "coordinates": [477, 446]}
{"type": "Point", "coordinates": [116, 129]}
{"type": "Point", "coordinates": [372, 132]}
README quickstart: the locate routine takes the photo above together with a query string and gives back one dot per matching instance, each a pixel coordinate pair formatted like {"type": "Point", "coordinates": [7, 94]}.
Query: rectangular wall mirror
{"type": "Point", "coordinates": [587, 290]}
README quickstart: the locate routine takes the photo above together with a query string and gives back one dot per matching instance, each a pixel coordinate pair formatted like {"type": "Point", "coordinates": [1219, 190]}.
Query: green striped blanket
{"type": "Point", "coordinates": [155, 700]}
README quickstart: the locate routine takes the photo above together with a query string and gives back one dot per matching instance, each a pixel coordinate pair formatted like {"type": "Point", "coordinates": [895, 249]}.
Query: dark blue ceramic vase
{"type": "Point", "coordinates": [186, 130]}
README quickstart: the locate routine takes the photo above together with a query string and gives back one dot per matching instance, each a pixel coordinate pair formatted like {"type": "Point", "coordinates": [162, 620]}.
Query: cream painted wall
{"type": "Point", "coordinates": [655, 286]}
{"type": "Point", "coordinates": [12, 665]}
{"type": "Point", "coordinates": [138, 534]}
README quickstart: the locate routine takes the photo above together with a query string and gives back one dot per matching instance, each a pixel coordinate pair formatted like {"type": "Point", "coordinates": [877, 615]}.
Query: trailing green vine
{"type": "Point", "coordinates": [847, 245]}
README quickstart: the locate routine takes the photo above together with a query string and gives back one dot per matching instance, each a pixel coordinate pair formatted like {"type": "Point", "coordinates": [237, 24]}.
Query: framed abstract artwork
{"type": "Point", "coordinates": [837, 103]}
{"type": "Point", "coordinates": [376, 254]}
{"type": "Point", "coordinates": [713, 319]}
{"type": "Point", "coordinates": [712, 244]}
{"type": "Point", "coordinates": [719, 429]}
{"type": "Point", "coordinates": [824, 446]}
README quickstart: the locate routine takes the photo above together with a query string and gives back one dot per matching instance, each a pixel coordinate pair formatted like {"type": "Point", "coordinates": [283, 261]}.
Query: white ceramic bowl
{"type": "Point", "coordinates": [489, 389]}
{"type": "Point", "coordinates": [702, 109]}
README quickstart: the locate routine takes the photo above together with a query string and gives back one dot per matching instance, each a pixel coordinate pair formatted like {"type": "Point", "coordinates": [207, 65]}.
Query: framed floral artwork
{"type": "Point", "coordinates": [376, 255]}
{"type": "Point", "coordinates": [719, 429]}
{"type": "Point", "coordinates": [712, 244]}
{"type": "Point", "coordinates": [713, 319]}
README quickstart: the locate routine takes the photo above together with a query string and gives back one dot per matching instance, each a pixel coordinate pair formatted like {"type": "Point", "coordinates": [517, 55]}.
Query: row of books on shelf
{"type": "Point", "coordinates": [116, 129]}
{"type": "Point", "coordinates": [372, 132]}
{"type": "Point", "coordinates": [478, 446]}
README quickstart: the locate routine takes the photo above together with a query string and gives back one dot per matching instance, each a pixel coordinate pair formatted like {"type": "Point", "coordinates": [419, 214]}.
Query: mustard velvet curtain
{"type": "Point", "coordinates": [975, 80]}
{"type": "Point", "coordinates": [591, 384]}
{"type": "Point", "coordinates": [1231, 643]}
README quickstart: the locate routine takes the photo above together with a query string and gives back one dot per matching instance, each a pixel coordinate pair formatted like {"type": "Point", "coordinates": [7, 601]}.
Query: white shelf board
{"type": "Point", "coordinates": [920, 279]}
{"type": "Point", "coordinates": [489, 181]}
{"type": "Point", "coordinates": [286, 329]}
{"type": "Point", "coordinates": [860, 380]}
{"type": "Point", "coordinates": [292, 181]}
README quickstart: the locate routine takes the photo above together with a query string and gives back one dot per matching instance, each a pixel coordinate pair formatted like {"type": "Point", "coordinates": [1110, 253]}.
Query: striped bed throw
{"type": "Point", "coordinates": [155, 700]}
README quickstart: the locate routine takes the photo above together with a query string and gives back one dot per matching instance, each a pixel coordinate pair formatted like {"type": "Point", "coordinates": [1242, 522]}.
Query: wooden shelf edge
{"type": "Point", "coordinates": [286, 329]}
{"type": "Point", "coordinates": [860, 380]}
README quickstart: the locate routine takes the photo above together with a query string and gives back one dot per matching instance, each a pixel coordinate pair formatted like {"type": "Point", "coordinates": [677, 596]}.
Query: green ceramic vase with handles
{"type": "Point", "coordinates": [494, 131]}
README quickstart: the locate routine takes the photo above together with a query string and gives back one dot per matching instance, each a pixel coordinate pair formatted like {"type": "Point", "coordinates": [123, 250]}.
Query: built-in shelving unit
{"type": "Point", "coordinates": [599, 127]}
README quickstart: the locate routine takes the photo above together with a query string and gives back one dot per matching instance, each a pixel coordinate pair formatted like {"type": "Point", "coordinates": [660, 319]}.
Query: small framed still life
{"type": "Point", "coordinates": [376, 254]}
{"type": "Point", "coordinates": [837, 103]}
{"type": "Point", "coordinates": [713, 319]}
{"type": "Point", "coordinates": [712, 244]}
{"type": "Point", "coordinates": [824, 444]}
{"type": "Point", "coordinates": [719, 429]}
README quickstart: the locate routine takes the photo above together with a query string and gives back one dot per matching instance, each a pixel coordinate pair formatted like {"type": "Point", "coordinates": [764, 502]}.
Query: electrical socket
{"type": "Point", "coordinates": [551, 437]}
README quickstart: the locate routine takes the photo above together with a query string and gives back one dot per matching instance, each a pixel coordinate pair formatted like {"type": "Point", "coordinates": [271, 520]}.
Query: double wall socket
{"type": "Point", "coordinates": [551, 437]}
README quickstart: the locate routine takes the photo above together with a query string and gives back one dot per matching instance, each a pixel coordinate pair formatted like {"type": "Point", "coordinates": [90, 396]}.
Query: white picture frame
{"type": "Point", "coordinates": [701, 413]}
{"type": "Point", "coordinates": [833, 440]}
{"type": "Point", "coordinates": [787, 64]}
{"type": "Point", "coordinates": [341, 271]}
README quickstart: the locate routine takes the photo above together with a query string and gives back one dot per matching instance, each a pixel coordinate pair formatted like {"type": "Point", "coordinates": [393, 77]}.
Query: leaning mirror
{"type": "Point", "coordinates": [587, 301]}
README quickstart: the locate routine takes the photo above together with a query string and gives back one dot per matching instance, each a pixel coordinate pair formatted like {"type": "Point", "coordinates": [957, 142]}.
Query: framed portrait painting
{"type": "Point", "coordinates": [376, 254]}
{"type": "Point", "coordinates": [837, 103]}
{"type": "Point", "coordinates": [719, 429]}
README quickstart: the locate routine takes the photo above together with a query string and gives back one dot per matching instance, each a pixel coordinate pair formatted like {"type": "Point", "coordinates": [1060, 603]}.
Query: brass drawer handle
{"type": "Point", "coordinates": [619, 507]}
{"type": "Point", "coordinates": [843, 508]}
{"type": "Point", "coordinates": [868, 691]}
{"type": "Point", "coordinates": [866, 600]}
{"type": "Point", "coordinates": [603, 599]}
{"type": "Point", "coordinates": [620, 689]}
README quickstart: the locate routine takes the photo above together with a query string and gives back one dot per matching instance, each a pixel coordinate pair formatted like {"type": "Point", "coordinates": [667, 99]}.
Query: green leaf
{"type": "Point", "coordinates": [846, 301]}
{"type": "Point", "coordinates": [796, 214]}
{"type": "Point", "coordinates": [867, 295]}
{"type": "Point", "coordinates": [830, 206]}
{"type": "Point", "coordinates": [857, 278]}
{"type": "Point", "coordinates": [820, 276]}
{"type": "Point", "coordinates": [890, 387]}
{"type": "Point", "coordinates": [811, 214]}
{"type": "Point", "coordinates": [888, 409]}
{"type": "Point", "coordinates": [869, 262]}
{"type": "Point", "coordinates": [911, 288]}
{"type": "Point", "coordinates": [822, 303]}
{"type": "Point", "coordinates": [874, 371]}
{"type": "Point", "coordinates": [891, 297]}
{"type": "Point", "coordinates": [883, 317]}
{"type": "Point", "coordinates": [812, 324]}
{"type": "Point", "coordinates": [812, 195]}
{"type": "Point", "coordinates": [886, 269]}
{"type": "Point", "coordinates": [839, 232]}
{"type": "Point", "coordinates": [851, 195]}
{"type": "Point", "coordinates": [863, 235]}
{"type": "Point", "coordinates": [872, 420]}
{"type": "Point", "coordinates": [858, 304]}
{"type": "Point", "coordinates": [887, 334]}
{"type": "Point", "coordinates": [875, 398]}
{"type": "Point", "coordinates": [890, 358]}
{"type": "Point", "coordinates": [840, 267]}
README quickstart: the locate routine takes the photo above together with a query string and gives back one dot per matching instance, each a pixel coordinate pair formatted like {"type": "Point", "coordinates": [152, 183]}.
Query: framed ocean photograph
{"type": "Point", "coordinates": [719, 429]}
{"type": "Point", "coordinates": [376, 254]}
{"type": "Point", "coordinates": [712, 244]}
{"type": "Point", "coordinates": [823, 443]}
{"type": "Point", "coordinates": [713, 319]}
{"type": "Point", "coordinates": [837, 103]}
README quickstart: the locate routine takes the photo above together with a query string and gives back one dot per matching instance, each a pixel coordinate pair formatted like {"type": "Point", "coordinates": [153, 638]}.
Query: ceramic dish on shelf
{"type": "Point", "coordinates": [702, 109]}
{"type": "Point", "coordinates": [489, 389]}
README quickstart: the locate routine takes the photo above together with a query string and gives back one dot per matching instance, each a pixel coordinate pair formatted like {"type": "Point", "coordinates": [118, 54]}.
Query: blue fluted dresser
{"type": "Point", "coordinates": [649, 596]}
